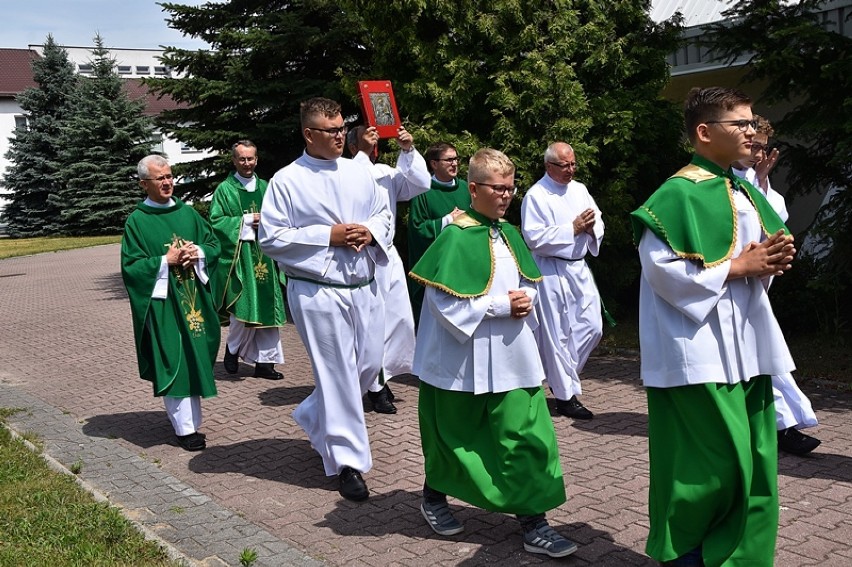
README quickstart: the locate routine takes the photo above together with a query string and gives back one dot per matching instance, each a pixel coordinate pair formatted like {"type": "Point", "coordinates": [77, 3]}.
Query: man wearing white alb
{"type": "Point", "coordinates": [408, 179]}
{"type": "Point", "coordinates": [561, 224]}
{"type": "Point", "coordinates": [793, 410]}
{"type": "Point", "coordinates": [326, 223]}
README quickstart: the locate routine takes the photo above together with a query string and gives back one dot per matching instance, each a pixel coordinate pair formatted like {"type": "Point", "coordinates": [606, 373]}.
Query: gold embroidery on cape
{"type": "Point", "coordinates": [698, 176]}
{"type": "Point", "coordinates": [187, 292]}
{"type": "Point", "coordinates": [694, 173]}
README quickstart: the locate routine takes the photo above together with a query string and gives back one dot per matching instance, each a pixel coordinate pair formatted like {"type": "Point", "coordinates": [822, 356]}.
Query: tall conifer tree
{"type": "Point", "coordinates": [102, 140]}
{"type": "Point", "coordinates": [33, 176]}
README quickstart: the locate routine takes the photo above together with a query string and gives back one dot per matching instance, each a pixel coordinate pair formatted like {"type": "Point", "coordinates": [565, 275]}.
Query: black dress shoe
{"type": "Point", "coordinates": [267, 370]}
{"type": "Point", "coordinates": [192, 442]}
{"type": "Point", "coordinates": [231, 361]}
{"type": "Point", "coordinates": [381, 401]}
{"type": "Point", "coordinates": [352, 486]}
{"type": "Point", "coordinates": [391, 397]}
{"type": "Point", "coordinates": [793, 441]}
{"type": "Point", "coordinates": [573, 408]}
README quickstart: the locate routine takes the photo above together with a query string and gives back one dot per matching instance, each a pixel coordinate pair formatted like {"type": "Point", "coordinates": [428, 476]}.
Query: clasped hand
{"type": "Point", "coordinates": [771, 257]}
{"type": "Point", "coordinates": [520, 303]}
{"type": "Point", "coordinates": [355, 236]}
{"type": "Point", "coordinates": [183, 255]}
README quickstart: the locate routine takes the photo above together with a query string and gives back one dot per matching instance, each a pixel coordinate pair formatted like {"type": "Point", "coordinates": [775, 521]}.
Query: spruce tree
{"type": "Point", "coordinates": [102, 140]}
{"type": "Point", "coordinates": [33, 174]}
{"type": "Point", "coordinates": [267, 56]}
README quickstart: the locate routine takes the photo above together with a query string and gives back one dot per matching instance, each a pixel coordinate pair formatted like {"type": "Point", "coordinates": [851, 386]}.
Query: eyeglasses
{"type": "Point", "coordinates": [566, 165]}
{"type": "Point", "coordinates": [246, 159]}
{"type": "Point", "coordinates": [501, 189]}
{"type": "Point", "coordinates": [758, 147]}
{"type": "Point", "coordinates": [160, 179]}
{"type": "Point", "coordinates": [449, 159]}
{"type": "Point", "coordinates": [333, 132]}
{"type": "Point", "coordinates": [742, 125]}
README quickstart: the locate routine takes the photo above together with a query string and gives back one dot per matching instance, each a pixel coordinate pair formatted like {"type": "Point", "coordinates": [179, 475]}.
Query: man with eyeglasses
{"type": "Point", "coordinates": [486, 433]}
{"type": "Point", "coordinates": [562, 224]}
{"type": "Point", "coordinates": [168, 253]}
{"type": "Point", "coordinates": [402, 183]}
{"type": "Point", "coordinates": [249, 283]}
{"type": "Point", "coordinates": [435, 209]}
{"type": "Point", "coordinates": [793, 410]}
{"type": "Point", "coordinates": [327, 224]}
{"type": "Point", "coordinates": [709, 243]}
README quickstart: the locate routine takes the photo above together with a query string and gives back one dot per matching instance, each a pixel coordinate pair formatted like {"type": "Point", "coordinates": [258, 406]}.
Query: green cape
{"type": "Point", "coordinates": [461, 260]}
{"type": "Point", "coordinates": [694, 212]}
{"type": "Point", "coordinates": [248, 281]}
{"type": "Point", "coordinates": [177, 339]}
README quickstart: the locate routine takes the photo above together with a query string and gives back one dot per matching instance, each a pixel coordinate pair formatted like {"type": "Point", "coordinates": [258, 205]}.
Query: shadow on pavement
{"type": "Point", "coordinates": [289, 461]}
{"type": "Point", "coordinates": [142, 428]}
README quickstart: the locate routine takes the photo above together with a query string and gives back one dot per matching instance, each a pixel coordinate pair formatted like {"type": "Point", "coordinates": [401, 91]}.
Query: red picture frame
{"type": "Point", "coordinates": [379, 106]}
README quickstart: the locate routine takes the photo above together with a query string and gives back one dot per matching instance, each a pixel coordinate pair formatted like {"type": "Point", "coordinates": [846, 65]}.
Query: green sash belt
{"type": "Point", "coordinates": [332, 284]}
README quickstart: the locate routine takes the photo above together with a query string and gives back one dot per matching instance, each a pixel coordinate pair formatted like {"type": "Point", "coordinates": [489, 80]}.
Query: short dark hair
{"type": "Point", "coordinates": [764, 126]}
{"type": "Point", "coordinates": [706, 104]}
{"type": "Point", "coordinates": [246, 143]}
{"type": "Point", "coordinates": [434, 153]}
{"type": "Point", "coordinates": [318, 106]}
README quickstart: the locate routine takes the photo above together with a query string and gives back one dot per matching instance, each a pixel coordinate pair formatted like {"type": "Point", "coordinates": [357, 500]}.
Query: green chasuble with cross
{"type": "Point", "coordinates": [177, 338]}
{"type": "Point", "coordinates": [248, 281]}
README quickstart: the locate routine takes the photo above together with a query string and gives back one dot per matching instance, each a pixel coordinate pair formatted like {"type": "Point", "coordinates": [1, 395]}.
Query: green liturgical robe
{"type": "Point", "coordinates": [248, 281]}
{"type": "Point", "coordinates": [177, 338]}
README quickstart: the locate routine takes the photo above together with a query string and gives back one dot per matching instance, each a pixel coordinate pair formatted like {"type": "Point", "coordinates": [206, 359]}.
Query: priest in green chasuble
{"type": "Point", "coordinates": [250, 299]}
{"type": "Point", "coordinates": [485, 429]}
{"type": "Point", "coordinates": [168, 253]}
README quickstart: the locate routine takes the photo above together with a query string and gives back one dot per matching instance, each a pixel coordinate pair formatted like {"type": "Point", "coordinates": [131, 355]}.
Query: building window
{"type": "Point", "coordinates": [85, 68]}
{"type": "Point", "coordinates": [21, 122]}
{"type": "Point", "coordinates": [161, 70]}
{"type": "Point", "coordinates": [185, 149]}
{"type": "Point", "coordinates": [125, 69]}
{"type": "Point", "coordinates": [143, 70]}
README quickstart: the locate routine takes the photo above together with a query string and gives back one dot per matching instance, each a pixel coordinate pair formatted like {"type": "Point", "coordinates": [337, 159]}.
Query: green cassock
{"type": "Point", "coordinates": [177, 338]}
{"type": "Point", "coordinates": [248, 281]}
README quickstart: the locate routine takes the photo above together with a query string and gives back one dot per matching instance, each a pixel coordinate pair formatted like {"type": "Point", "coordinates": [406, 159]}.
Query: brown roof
{"type": "Point", "coordinates": [154, 105]}
{"type": "Point", "coordinates": [16, 73]}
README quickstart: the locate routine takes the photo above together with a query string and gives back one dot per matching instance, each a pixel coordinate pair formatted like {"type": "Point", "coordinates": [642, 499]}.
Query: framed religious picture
{"type": "Point", "coordinates": [380, 107]}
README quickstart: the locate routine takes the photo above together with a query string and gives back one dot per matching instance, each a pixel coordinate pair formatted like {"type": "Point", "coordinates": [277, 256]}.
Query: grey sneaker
{"type": "Point", "coordinates": [440, 519]}
{"type": "Point", "coordinates": [544, 539]}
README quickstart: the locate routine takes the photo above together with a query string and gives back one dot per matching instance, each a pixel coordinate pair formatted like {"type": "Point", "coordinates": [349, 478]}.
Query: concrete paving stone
{"type": "Point", "coordinates": [259, 480]}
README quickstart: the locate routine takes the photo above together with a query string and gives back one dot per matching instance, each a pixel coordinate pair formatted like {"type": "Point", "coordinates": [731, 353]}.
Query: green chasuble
{"type": "Point", "coordinates": [177, 338]}
{"type": "Point", "coordinates": [461, 261]}
{"type": "Point", "coordinates": [249, 282]}
{"type": "Point", "coordinates": [679, 210]}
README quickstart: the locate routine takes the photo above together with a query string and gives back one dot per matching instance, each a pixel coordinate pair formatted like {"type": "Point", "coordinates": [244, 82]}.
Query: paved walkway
{"type": "Point", "coordinates": [67, 355]}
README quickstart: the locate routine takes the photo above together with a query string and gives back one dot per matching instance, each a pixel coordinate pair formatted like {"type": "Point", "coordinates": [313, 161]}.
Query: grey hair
{"type": "Point", "coordinates": [550, 152]}
{"type": "Point", "coordinates": [153, 159]}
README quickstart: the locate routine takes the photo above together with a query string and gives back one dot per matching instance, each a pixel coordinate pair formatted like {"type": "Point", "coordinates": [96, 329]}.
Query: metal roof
{"type": "Point", "coordinates": [695, 12]}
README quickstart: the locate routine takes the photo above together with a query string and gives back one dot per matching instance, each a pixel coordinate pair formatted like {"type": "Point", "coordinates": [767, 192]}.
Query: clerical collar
{"type": "Point", "coordinates": [450, 183]}
{"type": "Point", "coordinates": [247, 182]}
{"type": "Point", "coordinates": [151, 203]}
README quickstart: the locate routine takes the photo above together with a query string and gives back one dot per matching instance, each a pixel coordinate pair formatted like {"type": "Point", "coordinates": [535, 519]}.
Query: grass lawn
{"type": "Point", "coordinates": [11, 247]}
{"type": "Point", "coordinates": [47, 519]}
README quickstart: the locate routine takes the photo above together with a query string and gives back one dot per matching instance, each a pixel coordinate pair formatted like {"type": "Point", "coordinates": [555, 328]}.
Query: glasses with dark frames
{"type": "Point", "coordinates": [742, 124]}
{"type": "Point", "coordinates": [501, 189]}
{"type": "Point", "coordinates": [333, 132]}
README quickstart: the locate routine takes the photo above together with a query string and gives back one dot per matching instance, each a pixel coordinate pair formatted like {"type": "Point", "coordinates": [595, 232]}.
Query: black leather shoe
{"type": "Point", "coordinates": [192, 442]}
{"type": "Point", "coordinates": [381, 401]}
{"type": "Point", "coordinates": [267, 370]}
{"type": "Point", "coordinates": [231, 361]}
{"type": "Point", "coordinates": [573, 408]}
{"type": "Point", "coordinates": [793, 441]}
{"type": "Point", "coordinates": [352, 486]}
{"type": "Point", "coordinates": [391, 397]}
